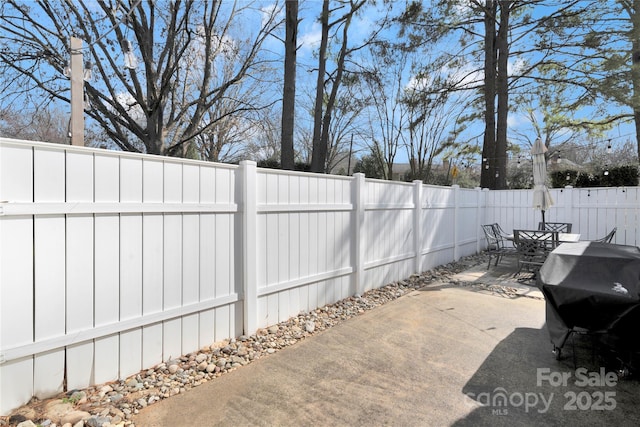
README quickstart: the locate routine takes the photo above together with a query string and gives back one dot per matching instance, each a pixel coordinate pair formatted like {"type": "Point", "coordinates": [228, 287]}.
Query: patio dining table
{"type": "Point", "coordinates": [594, 287]}
{"type": "Point", "coordinates": [562, 237]}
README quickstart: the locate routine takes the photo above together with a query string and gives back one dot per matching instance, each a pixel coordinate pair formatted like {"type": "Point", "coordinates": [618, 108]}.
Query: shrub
{"type": "Point", "coordinates": [619, 176]}
{"type": "Point", "coordinates": [559, 178]}
{"type": "Point", "coordinates": [275, 164]}
{"type": "Point", "coordinates": [585, 179]}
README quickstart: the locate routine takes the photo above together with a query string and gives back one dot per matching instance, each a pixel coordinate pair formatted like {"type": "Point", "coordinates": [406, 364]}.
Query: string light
{"type": "Point", "coordinates": [87, 73]}
{"type": "Point", "coordinates": [130, 61]}
{"type": "Point", "coordinates": [609, 147]}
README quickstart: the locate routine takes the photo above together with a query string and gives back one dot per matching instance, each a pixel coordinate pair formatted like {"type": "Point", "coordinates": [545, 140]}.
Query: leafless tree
{"type": "Point", "coordinates": [384, 84]}
{"type": "Point", "coordinates": [163, 103]}
{"type": "Point", "coordinates": [328, 83]}
{"type": "Point", "coordinates": [287, 154]}
{"type": "Point", "coordinates": [47, 125]}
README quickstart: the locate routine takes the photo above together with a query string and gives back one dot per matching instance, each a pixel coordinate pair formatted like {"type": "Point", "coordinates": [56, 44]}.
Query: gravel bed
{"type": "Point", "coordinates": [114, 404]}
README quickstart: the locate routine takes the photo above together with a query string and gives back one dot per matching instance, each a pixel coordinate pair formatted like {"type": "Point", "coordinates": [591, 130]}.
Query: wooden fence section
{"type": "Point", "coordinates": [112, 262]}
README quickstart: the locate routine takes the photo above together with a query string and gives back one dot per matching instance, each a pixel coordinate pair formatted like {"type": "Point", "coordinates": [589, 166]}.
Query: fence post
{"type": "Point", "coordinates": [359, 182]}
{"type": "Point", "coordinates": [569, 204]}
{"type": "Point", "coordinates": [456, 216]}
{"type": "Point", "coordinates": [249, 246]}
{"type": "Point", "coordinates": [479, 217]}
{"type": "Point", "coordinates": [417, 224]}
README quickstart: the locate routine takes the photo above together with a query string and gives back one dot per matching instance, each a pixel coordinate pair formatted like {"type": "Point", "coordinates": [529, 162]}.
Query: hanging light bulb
{"type": "Point", "coordinates": [609, 147]}
{"type": "Point", "coordinates": [130, 61]}
{"type": "Point", "coordinates": [88, 71]}
{"type": "Point", "coordinates": [606, 170]}
{"type": "Point", "coordinates": [86, 102]}
{"type": "Point", "coordinates": [568, 177]}
{"type": "Point", "coordinates": [67, 69]}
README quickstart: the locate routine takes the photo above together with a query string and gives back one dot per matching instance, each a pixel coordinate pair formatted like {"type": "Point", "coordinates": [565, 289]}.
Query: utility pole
{"type": "Point", "coordinates": [77, 92]}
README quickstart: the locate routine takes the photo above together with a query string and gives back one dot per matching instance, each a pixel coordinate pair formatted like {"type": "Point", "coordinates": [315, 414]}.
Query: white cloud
{"type": "Point", "coordinates": [516, 120]}
{"type": "Point", "coordinates": [310, 39]}
{"type": "Point", "coordinates": [515, 66]}
{"type": "Point", "coordinates": [267, 12]}
{"type": "Point", "coordinates": [128, 103]}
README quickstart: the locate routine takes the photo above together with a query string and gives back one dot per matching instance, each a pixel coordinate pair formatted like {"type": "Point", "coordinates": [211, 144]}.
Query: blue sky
{"type": "Point", "coordinates": [309, 38]}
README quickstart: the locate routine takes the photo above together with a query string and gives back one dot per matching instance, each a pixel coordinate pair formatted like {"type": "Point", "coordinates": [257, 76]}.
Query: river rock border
{"type": "Point", "coordinates": [115, 403]}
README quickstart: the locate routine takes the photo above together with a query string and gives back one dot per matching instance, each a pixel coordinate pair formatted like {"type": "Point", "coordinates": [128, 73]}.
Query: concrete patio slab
{"type": "Point", "coordinates": [450, 354]}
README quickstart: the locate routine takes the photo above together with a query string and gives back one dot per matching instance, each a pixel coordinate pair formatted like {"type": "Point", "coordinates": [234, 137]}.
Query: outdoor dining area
{"type": "Point", "coordinates": [591, 287]}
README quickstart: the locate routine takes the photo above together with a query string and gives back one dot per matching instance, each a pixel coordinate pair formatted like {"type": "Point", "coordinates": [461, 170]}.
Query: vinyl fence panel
{"type": "Point", "coordinates": [16, 282]}
{"type": "Point", "coordinates": [114, 262]}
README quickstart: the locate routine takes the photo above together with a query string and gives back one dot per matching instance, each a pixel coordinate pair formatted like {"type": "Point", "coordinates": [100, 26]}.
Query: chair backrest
{"type": "Point", "coordinates": [493, 241]}
{"type": "Point", "coordinates": [609, 237]}
{"type": "Point", "coordinates": [499, 230]}
{"type": "Point", "coordinates": [562, 227]}
{"type": "Point", "coordinates": [545, 240]}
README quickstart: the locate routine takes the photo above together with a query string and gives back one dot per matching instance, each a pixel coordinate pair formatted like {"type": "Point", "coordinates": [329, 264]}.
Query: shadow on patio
{"type": "Point", "coordinates": [443, 355]}
{"type": "Point", "coordinates": [521, 383]}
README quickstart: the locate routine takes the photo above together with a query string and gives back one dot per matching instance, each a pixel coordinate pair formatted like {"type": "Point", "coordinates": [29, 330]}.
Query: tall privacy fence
{"type": "Point", "coordinates": [592, 211]}
{"type": "Point", "coordinates": [113, 262]}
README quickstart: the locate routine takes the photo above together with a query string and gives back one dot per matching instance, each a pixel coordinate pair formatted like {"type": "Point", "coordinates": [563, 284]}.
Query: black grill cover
{"type": "Point", "coordinates": [593, 286]}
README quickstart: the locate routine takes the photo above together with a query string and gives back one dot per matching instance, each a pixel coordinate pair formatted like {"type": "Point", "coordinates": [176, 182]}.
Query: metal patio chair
{"type": "Point", "coordinates": [533, 246]}
{"type": "Point", "coordinates": [608, 238]}
{"type": "Point", "coordinates": [507, 239]}
{"type": "Point", "coordinates": [562, 227]}
{"type": "Point", "coordinates": [495, 244]}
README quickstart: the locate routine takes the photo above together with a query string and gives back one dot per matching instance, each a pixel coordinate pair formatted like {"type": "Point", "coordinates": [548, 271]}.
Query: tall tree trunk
{"type": "Point", "coordinates": [635, 68]}
{"type": "Point", "coordinates": [319, 153]}
{"type": "Point", "coordinates": [487, 174]}
{"type": "Point", "coordinates": [502, 89]}
{"type": "Point", "coordinates": [289, 93]}
{"type": "Point", "coordinates": [331, 100]}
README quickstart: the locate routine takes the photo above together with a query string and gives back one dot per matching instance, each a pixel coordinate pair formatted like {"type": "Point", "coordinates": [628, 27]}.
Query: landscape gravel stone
{"type": "Point", "coordinates": [114, 404]}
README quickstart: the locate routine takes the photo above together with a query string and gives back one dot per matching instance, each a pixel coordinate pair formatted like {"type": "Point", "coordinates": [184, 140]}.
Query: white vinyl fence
{"type": "Point", "coordinates": [111, 262]}
{"type": "Point", "coordinates": [593, 212]}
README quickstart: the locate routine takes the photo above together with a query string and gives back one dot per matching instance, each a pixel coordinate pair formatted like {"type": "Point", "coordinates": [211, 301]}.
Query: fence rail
{"type": "Point", "coordinates": [113, 262]}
